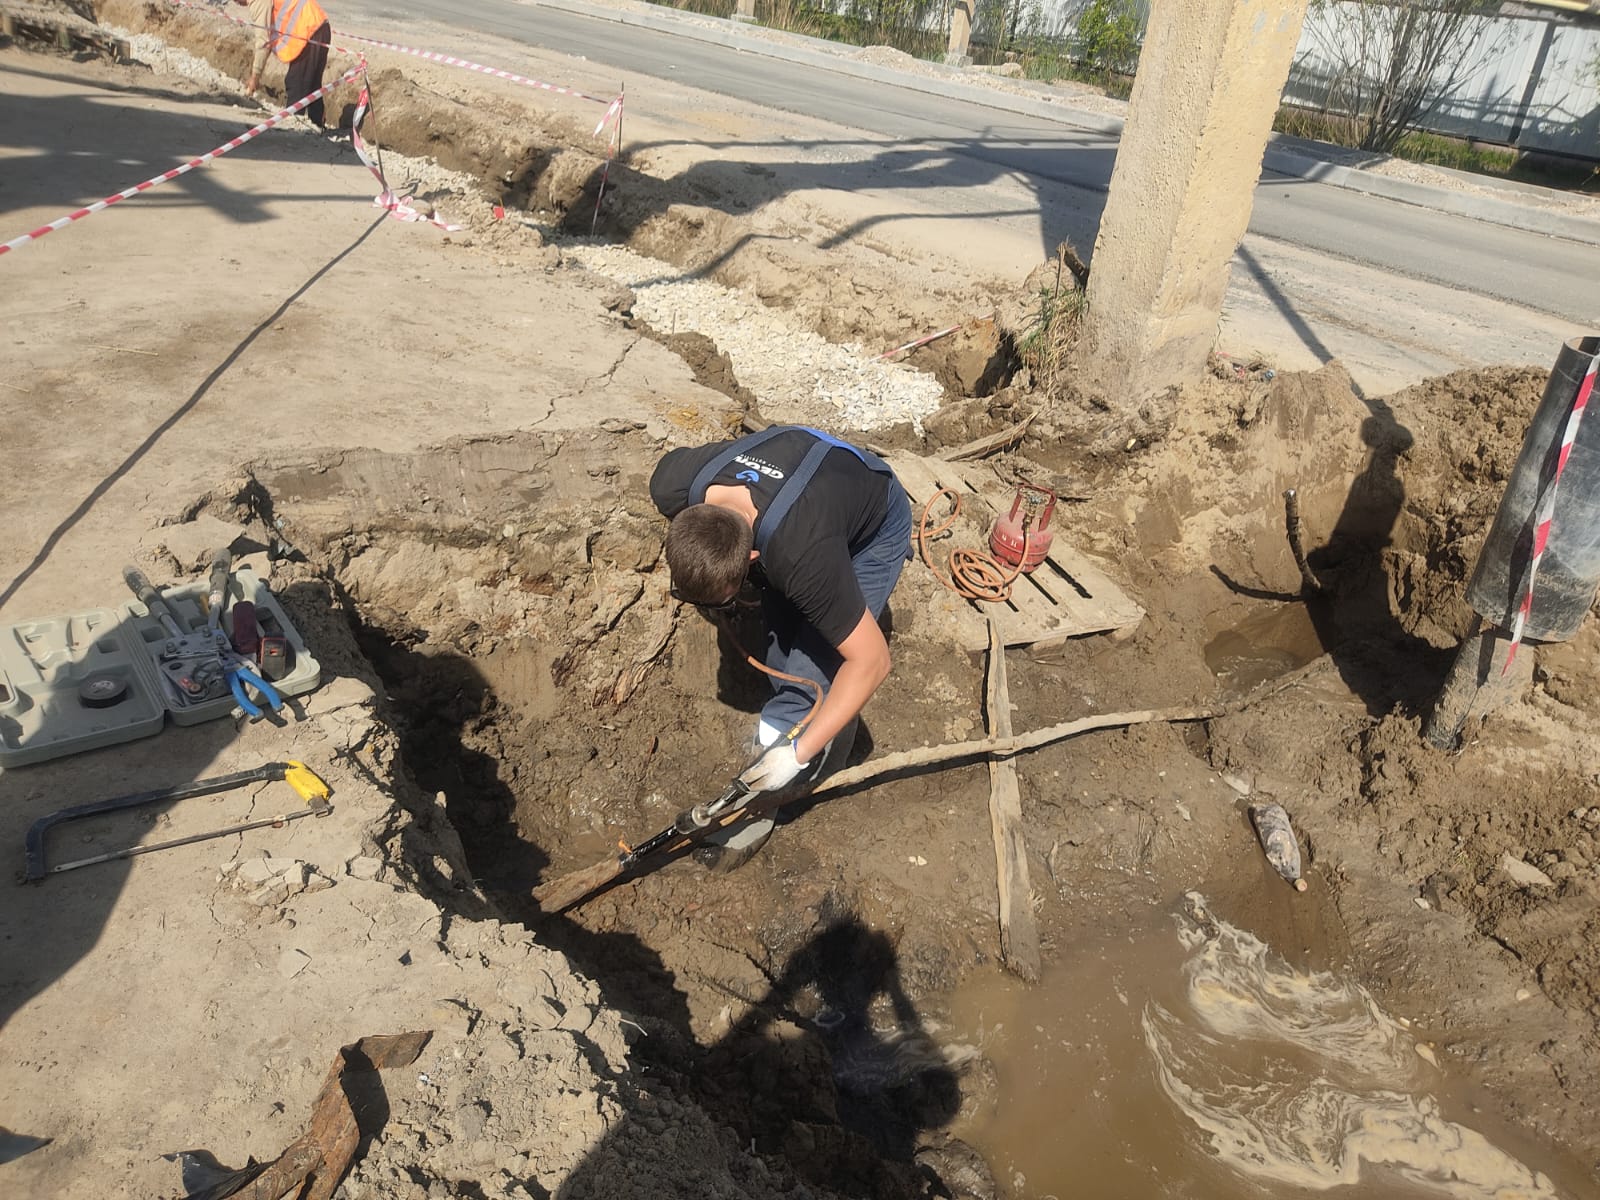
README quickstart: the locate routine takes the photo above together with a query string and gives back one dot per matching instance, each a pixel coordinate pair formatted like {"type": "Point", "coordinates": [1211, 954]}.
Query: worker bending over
{"type": "Point", "coordinates": [822, 529]}
{"type": "Point", "coordinates": [297, 31]}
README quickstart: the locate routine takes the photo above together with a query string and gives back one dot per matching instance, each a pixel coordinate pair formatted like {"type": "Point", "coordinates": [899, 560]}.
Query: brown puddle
{"type": "Point", "coordinates": [1263, 646]}
{"type": "Point", "coordinates": [1190, 1060]}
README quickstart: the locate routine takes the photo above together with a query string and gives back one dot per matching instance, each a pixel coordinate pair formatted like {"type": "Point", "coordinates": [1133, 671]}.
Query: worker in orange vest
{"type": "Point", "coordinates": [297, 31]}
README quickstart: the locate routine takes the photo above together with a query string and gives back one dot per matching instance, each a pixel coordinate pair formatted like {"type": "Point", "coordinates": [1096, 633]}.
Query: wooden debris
{"type": "Point", "coordinates": [1019, 934]}
{"type": "Point", "coordinates": [313, 1165]}
{"type": "Point", "coordinates": [1004, 440]}
{"type": "Point", "coordinates": [66, 36]}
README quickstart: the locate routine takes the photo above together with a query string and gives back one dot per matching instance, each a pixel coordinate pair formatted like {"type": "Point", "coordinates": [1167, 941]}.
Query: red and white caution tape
{"type": "Point", "coordinates": [613, 145]}
{"type": "Point", "coordinates": [397, 207]}
{"type": "Point", "coordinates": [450, 60]}
{"type": "Point", "coordinates": [1544, 511]}
{"type": "Point", "coordinates": [932, 337]}
{"type": "Point", "coordinates": [211, 155]}
{"type": "Point", "coordinates": [614, 109]}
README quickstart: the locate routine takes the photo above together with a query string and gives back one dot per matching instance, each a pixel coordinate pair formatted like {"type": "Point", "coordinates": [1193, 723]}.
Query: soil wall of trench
{"type": "Point", "coordinates": [505, 597]}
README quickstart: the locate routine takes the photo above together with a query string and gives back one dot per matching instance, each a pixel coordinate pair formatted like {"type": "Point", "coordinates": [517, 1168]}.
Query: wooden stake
{"type": "Point", "coordinates": [573, 888]}
{"type": "Point", "coordinates": [1019, 934]}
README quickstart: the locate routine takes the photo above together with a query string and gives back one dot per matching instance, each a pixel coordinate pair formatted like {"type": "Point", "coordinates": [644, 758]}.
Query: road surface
{"type": "Point", "coordinates": [1319, 265]}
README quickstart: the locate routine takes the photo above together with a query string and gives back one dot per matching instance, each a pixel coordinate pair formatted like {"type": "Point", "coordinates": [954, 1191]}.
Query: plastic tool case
{"type": "Point", "coordinates": [93, 679]}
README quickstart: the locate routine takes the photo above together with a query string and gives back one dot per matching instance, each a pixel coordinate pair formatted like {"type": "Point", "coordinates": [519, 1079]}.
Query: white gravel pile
{"type": "Point", "coordinates": [796, 375]}
{"type": "Point", "coordinates": [169, 60]}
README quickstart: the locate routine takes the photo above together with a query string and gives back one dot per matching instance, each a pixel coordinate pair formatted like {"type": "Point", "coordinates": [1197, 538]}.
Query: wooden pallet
{"type": "Point", "coordinates": [1068, 595]}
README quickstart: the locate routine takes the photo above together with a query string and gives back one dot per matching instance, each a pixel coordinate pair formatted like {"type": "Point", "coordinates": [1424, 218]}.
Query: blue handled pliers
{"type": "Point", "coordinates": [237, 669]}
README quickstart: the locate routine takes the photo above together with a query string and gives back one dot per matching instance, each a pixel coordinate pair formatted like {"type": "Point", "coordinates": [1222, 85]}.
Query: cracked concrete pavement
{"type": "Point", "coordinates": [261, 310]}
{"type": "Point", "coordinates": [238, 313]}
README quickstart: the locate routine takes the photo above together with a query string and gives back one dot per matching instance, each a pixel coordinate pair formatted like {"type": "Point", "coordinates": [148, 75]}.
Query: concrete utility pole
{"type": "Point", "coordinates": [1209, 81]}
{"type": "Point", "coordinates": [960, 34]}
{"type": "Point", "coordinates": [745, 10]}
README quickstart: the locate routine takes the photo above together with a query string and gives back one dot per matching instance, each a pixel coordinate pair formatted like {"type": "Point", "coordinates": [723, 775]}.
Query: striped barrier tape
{"type": "Point", "coordinates": [932, 337]}
{"type": "Point", "coordinates": [1544, 511]}
{"type": "Point", "coordinates": [386, 199]}
{"type": "Point", "coordinates": [614, 109]}
{"type": "Point", "coordinates": [450, 60]}
{"type": "Point", "coordinates": [166, 176]}
{"type": "Point", "coordinates": [613, 146]}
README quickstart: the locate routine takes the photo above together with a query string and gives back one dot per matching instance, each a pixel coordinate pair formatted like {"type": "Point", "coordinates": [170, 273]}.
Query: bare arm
{"type": "Point", "coordinates": [866, 665]}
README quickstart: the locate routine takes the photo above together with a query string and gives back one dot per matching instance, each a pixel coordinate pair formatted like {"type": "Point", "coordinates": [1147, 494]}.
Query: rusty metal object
{"type": "Point", "coordinates": [313, 1165]}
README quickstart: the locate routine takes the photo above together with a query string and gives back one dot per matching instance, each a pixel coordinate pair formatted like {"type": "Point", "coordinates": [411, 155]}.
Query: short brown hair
{"type": "Point", "coordinates": [708, 552]}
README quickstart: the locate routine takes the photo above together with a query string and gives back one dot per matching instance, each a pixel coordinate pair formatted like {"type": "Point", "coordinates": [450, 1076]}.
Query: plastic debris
{"type": "Point", "coordinates": [1278, 841]}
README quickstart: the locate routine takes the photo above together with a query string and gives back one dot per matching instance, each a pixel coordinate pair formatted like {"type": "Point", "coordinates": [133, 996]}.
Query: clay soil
{"type": "Point", "coordinates": [438, 448]}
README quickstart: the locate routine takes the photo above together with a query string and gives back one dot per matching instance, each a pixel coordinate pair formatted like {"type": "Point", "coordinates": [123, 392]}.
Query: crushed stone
{"type": "Point", "coordinates": [796, 375]}
{"type": "Point", "coordinates": [167, 60]}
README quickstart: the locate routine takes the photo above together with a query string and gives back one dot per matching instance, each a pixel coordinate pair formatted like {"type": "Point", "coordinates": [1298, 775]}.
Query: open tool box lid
{"type": "Point", "coordinates": [92, 679]}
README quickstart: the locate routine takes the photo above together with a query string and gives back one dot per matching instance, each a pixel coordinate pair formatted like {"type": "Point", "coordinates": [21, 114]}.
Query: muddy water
{"type": "Point", "coordinates": [1263, 646]}
{"type": "Point", "coordinates": [1188, 1059]}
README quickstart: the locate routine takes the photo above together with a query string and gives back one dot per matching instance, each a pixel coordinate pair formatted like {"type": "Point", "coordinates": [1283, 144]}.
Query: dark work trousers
{"type": "Point", "coordinates": [795, 647]}
{"type": "Point", "coordinates": [305, 73]}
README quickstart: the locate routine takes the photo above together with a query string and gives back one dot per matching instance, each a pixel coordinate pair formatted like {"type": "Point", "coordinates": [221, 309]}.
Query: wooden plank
{"type": "Point", "coordinates": [1045, 606]}
{"type": "Point", "coordinates": [1019, 933]}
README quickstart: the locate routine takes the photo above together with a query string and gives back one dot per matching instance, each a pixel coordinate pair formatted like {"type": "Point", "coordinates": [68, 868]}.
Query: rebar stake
{"type": "Point", "coordinates": [1309, 583]}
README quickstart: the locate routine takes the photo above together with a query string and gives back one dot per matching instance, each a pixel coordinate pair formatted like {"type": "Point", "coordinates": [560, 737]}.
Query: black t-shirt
{"type": "Point", "coordinates": [808, 556]}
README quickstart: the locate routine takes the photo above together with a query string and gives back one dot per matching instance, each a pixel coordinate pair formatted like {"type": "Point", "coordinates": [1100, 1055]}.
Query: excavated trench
{"type": "Point", "coordinates": [510, 597]}
{"type": "Point", "coordinates": [836, 1003]}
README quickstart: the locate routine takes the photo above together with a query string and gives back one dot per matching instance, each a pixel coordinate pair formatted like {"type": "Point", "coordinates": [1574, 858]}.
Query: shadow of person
{"type": "Point", "coordinates": [828, 1075]}
{"type": "Point", "coordinates": [1355, 613]}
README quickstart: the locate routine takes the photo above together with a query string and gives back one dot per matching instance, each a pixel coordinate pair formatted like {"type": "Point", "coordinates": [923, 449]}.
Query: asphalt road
{"type": "Point", "coordinates": [1533, 271]}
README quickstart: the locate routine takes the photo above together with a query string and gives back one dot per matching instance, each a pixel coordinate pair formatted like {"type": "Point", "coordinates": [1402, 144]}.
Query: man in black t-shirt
{"type": "Point", "coordinates": [823, 528]}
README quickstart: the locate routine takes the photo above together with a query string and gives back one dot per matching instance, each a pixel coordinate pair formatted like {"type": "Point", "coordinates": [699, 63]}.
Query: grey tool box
{"type": "Point", "coordinates": [93, 679]}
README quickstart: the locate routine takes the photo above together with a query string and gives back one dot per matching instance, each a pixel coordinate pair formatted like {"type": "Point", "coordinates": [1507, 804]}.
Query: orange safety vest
{"type": "Point", "coordinates": [293, 23]}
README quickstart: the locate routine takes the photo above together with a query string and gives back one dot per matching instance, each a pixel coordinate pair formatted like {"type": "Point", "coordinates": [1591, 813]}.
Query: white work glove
{"type": "Point", "coordinates": [774, 769]}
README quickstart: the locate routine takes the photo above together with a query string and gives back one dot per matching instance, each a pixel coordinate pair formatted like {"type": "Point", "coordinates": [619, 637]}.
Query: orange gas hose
{"type": "Point", "coordinates": [974, 575]}
{"type": "Point", "coordinates": [816, 688]}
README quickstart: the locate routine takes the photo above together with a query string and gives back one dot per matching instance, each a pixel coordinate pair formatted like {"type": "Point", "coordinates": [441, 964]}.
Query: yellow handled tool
{"type": "Point", "coordinates": [308, 785]}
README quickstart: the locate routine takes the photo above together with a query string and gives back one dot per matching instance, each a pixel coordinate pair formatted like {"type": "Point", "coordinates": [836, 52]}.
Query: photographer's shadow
{"type": "Point", "coordinates": [830, 1072]}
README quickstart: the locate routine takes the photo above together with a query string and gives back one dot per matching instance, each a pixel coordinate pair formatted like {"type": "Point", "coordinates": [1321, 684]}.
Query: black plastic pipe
{"type": "Point", "coordinates": [1569, 573]}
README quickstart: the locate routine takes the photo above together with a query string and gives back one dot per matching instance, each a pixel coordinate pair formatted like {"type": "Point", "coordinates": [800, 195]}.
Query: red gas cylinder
{"type": "Point", "coordinates": [1027, 524]}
